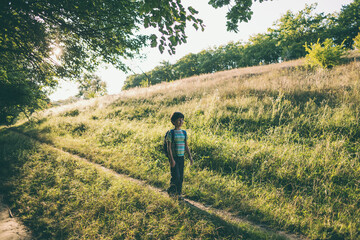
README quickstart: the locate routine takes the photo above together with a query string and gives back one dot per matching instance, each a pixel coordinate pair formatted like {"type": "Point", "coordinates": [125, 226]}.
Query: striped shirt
{"type": "Point", "coordinates": [179, 142]}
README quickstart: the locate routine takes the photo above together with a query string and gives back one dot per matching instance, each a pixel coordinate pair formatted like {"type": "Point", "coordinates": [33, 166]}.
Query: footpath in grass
{"type": "Point", "coordinates": [10, 227]}
{"type": "Point", "coordinates": [59, 197]}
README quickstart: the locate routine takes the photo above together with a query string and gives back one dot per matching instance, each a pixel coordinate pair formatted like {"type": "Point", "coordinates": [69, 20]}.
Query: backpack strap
{"type": "Point", "coordinates": [185, 135]}
{"type": "Point", "coordinates": [172, 136]}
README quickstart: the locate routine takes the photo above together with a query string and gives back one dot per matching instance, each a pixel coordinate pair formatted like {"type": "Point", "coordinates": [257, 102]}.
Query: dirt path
{"type": "Point", "coordinates": [225, 215]}
{"type": "Point", "coordinates": [10, 227]}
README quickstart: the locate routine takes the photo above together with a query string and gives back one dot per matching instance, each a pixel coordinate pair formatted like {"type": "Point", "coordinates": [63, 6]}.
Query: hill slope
{"type": "Point", "coordinates": [278, 143]}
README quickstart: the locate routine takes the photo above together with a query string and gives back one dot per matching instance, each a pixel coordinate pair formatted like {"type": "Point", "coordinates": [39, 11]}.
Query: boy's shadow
{"type": "Point", "coordinates": [228, 225]}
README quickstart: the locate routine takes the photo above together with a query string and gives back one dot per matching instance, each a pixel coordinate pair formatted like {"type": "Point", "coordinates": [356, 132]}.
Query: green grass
{"type": "Point", "coordinates": [278, 144]}
{"type": "Point", "coordinates": [60, 197]}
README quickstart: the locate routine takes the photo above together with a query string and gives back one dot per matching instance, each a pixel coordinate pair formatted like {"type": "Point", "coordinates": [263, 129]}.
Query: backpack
{"type": "Point", "coordinates": [172, 140]}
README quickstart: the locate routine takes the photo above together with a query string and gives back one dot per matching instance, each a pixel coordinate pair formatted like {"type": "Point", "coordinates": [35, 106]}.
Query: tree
{"type": "Point", "coordinates": [357, 42]}
{"type": "Point", "coordinates": [134, 81]}
{"type": "Point", "coordinates": [88, 33]}
{"type": "Point", "coordinates": [263, 49]}
{"type": "Point", "coordinates": [240, 11]}
{"type": "Point", "coordinates": [19, 96]}
{"type": "Point", "coordinates": [162, 73]}
{"type": "Point", "coordinates": [186, 66]}
{"type": "Point", "coordinates": [233, 56]}
{"type": "Point", "coordinates": [207, 62]}
{"type": "Point", "coordinates": [91, 86]}
{"type": "Point", "coordinates": [348, 24]}
{"type": "Point", "coordinates": [293, 30]}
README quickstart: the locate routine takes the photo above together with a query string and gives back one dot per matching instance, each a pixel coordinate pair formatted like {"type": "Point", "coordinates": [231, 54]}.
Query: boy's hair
{"type": "Point", "coordinates": [176, 115]}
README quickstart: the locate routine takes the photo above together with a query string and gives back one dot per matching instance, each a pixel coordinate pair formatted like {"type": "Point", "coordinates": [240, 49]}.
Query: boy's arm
{"type": "Point", "coordinates": [188, 152]}
{"type": "Point", "coordinates": [171, 157]}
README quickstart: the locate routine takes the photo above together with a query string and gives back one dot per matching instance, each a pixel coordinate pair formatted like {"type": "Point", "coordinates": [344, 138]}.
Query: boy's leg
{"type": "Point", "coordinates": [174, 178]}
{"type": "Point", "coordinates": [181, 174]}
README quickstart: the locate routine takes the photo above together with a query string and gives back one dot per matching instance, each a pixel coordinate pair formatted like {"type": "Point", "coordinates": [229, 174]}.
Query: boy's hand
{"type": "Point", "coordinates": [191, 161]}
{"type": "Point", "coordinates": [172, 163]}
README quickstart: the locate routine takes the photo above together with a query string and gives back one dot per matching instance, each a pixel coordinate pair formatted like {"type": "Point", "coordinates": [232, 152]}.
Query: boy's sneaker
{"type": "Point", "coordinates": [171, 194]}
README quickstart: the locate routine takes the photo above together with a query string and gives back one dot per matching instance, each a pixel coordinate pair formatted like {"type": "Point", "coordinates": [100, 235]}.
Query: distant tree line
{"type": "Point", "coordinates": [284, 41]}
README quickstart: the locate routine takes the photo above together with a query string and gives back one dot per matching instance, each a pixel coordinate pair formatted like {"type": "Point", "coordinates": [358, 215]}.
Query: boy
{"type": "Point", "coordinates": [176, 147]}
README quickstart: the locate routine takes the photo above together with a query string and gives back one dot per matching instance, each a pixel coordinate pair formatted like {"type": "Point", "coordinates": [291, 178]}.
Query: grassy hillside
{"type": "Point", "coordinates": [59, 197]}
{"type": "Point", "coordinates": [277, 144]}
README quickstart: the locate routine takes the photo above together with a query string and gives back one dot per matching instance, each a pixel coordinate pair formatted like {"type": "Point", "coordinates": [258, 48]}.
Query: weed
{"type": "Point", "coordinates": [72, 113]}
{"type": "Point", "coordinates": [112, 136]}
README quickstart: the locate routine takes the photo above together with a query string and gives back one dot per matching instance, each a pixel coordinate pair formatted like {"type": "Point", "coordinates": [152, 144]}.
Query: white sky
{"type": "Point", "coordinates": [215, 34]}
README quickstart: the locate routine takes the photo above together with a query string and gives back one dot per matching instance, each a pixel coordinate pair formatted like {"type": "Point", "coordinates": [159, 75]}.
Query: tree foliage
{"type": "Point", "coordinates": [357, 42]}
{"type": "Point", "coordinates": [284, 41]}
{"type": "Point", "coordinates": [304, 26]}
{"type": "Point", "coordinates": [262, 48]}
{"type": "Point", "coordinates": [88, 33]}
{"type": "Point", "coordinates": [348, 24]}
{"type": "Point", "coordinates": [240, 11]}
{"type": "Point", "coordinates": [91, 86]}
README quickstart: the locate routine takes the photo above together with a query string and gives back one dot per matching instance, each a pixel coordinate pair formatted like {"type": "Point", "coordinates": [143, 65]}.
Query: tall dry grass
{"type": "Point", "coordinates": [278, 144]}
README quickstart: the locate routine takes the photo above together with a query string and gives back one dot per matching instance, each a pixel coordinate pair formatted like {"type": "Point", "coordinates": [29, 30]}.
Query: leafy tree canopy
{"type": "Point", "coordinates": [303, 26]}
{"type": "Point", "coordinates": [357, 42]}
{"type": "Point", "coordinates": [91, 86]}
{"type": "Point", "coordinates": [240, 11]}
{"type": "Point", "coordinates": [348, 23]}
{"type": "Point", "coordinates": [285, 40]}
{"type": "Point", "coordinates": [87, 32]}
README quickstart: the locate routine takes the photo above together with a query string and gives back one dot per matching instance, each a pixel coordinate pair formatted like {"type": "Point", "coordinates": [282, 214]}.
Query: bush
{"type": "Point", "coordinates": [325, 55]}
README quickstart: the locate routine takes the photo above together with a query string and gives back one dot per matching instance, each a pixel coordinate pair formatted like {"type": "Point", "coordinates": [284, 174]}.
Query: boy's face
{"type": "Point", "coordinates": [178, 122]}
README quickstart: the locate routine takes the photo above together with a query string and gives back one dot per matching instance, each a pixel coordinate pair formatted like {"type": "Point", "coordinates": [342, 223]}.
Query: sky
{"type": "Point", "coordinates": [215, 34]}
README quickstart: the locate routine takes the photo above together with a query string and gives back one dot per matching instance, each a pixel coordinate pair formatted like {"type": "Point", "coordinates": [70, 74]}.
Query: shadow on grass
{"type": "Point", "coordinates": [26, 130]}
{"type": "Point", "coordinates": [12, 159]}
{"type": "Point", "coordinates": [245, 230]}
